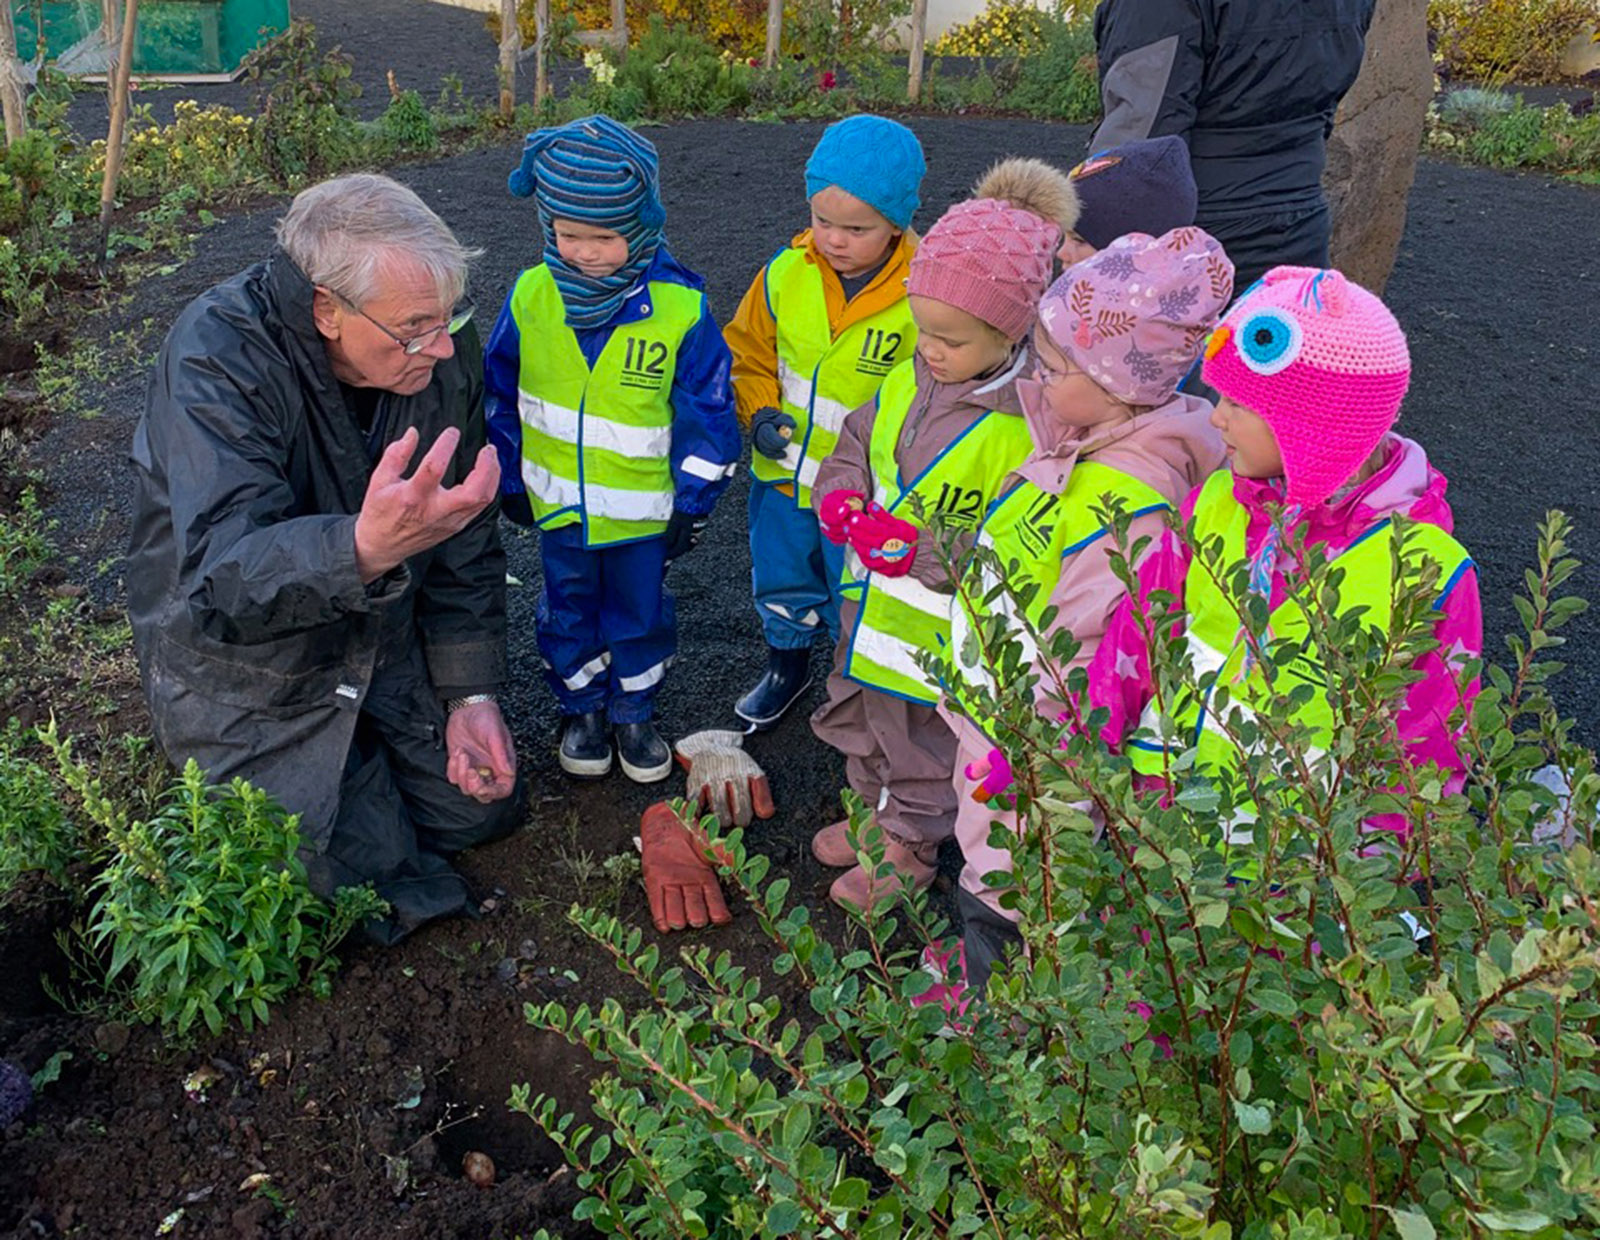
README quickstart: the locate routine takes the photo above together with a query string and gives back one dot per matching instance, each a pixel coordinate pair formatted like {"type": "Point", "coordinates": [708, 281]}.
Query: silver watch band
{"type": "Point", "coordinates": [472, 699]}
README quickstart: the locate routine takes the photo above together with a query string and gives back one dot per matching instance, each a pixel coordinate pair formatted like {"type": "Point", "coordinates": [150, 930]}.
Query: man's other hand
{"type": "Point", "coordinates": [402, 516]}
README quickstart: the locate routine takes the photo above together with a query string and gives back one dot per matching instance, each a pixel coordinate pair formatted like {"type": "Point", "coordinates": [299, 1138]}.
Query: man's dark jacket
{"type": "Point", "coordinates": [257, 639]}
{"type": "Point", "coordinates": [1251, 85]}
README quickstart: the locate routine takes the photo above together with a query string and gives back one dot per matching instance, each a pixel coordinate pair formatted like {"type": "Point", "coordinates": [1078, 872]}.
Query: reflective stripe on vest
{"type": "Point", "coordinates": [1217, 651]}
{"type": "Point", "coordinates": [900, 615]}
{"type": "Point", "coordinates": [597, 446]}
{"type": "Point", "coordinates": [822, 378]}
{"type": "Point", "coordinates": [1031, 533]}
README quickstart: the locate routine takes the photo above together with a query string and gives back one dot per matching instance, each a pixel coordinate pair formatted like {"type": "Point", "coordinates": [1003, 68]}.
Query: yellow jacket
{"type": "Point", "coordinates": [752, 333]}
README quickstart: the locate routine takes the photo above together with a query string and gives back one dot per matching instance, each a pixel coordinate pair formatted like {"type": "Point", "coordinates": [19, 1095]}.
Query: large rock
{"type": "Point", "coordinates": [1372, 155]}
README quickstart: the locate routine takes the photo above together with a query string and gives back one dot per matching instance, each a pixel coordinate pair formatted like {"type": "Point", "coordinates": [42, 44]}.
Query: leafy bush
{"type": "Point", "coordinates": [35, 833]}
{"type": "Point", "coordinates": [1062, 80]}
{"type": "Point", "coordinates": [24, 545]}
{"type": "Point", "coordinates": [209, 151]}
{"type": "Point", "coordinates": [1004, 28]}
{"type": "Point", "coordinates": [408, 124]}
{"type": "Point", "coordinates": [305, 127]}
{"type": "Point", "coordinates": [731, 25]}
{"type": "Point", "coordinates": [1333, 1051]}
{"type": "Point", "coordinates": [1513, 134]}
{"type": "Point", "coordinates": [670, 72]}
{"type": "Point", "coordinates": [204, 908]}
{"type": "Point", "coordinates": [1507, 40]}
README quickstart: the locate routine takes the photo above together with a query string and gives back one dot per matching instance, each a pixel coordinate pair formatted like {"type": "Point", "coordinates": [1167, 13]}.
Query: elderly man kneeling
{"type": "Point", "coordinates": [307, 615]}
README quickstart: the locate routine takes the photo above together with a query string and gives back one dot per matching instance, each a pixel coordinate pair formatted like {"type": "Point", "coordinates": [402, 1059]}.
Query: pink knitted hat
{"type": "Point", "coordinates": [1134, 315]}
{"type": "Point", "coordinates": [989, 258]}
{"type": "Point", "coordinates": [1325, 365]}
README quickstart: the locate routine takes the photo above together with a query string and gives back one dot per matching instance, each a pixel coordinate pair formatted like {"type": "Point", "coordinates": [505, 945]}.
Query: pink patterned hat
{"type": "Point", "coordinates": [1323, 362]}
{"type": "Point", "coordinates": [988, 258]}
{"type": "Point", "coordinates": [1135, 315]}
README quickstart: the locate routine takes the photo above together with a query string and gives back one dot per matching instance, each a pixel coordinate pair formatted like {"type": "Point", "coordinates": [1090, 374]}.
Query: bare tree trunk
{"type": "Point", "coordinates": [117, 79]}
{"type": "Point", "coordinates": [619, 25]}
{"type": "Point", "coordinates": [510, 45]}
{"type": "Point", "coordinates": [774, 31]}
{"type": "Point", "coordinates": [541, 51]}
{"type": "Point", "coordinates": [919, 42]}
{"type": "Point", "coordinates": [13, 99]}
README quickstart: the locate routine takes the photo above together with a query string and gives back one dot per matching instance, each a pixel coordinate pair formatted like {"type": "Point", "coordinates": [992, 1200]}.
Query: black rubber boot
{"type": "Point", "coordinates": [585, 748]}
{"type": "Point", "coordinates": [788, 675]}
{"type": "Point", "coordinates": [645, 756]}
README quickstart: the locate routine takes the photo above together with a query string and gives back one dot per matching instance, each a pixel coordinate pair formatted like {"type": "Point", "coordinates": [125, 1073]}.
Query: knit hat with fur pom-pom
{"type": "Point", "coordinates": [993, 256]}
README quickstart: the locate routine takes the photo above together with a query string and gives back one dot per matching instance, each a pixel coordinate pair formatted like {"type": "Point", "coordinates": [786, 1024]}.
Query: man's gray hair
{"type": "Point", "coordinates": [344, 232]}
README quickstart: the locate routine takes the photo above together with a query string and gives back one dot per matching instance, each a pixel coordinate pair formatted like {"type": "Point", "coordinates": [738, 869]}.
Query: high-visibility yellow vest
{"type": "Point", "coordinates": [597, 445]}
{"type": "Point", "coordinates": [1215, 644]}
{"type": "Point", "coordinates": [822, 378]}
{"type": "Point", "coordinates": [900, 615]}
{"type": "Point", "coordinates": [1032, 533]}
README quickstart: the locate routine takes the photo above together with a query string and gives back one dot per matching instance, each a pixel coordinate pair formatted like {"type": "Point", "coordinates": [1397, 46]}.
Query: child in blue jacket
{"type": "Point", "coordinates": [608, 398]}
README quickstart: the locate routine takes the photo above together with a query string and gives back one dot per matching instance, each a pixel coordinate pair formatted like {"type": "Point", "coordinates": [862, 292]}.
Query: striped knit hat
{"type": "Point", "coordinates": [593, 171]}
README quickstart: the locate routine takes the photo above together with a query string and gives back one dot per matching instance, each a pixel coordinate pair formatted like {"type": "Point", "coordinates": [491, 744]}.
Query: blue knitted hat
{"type": "Point", "coordinates": [1143, 186]}
{"type": "Point", "coordinates": [598, 172]}
{"type": "Point", "coordinates": [878, 161]}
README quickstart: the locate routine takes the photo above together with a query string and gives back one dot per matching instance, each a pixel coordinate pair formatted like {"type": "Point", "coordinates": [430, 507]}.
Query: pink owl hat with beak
{"type": "Point", "coordinates": [1325, 365]}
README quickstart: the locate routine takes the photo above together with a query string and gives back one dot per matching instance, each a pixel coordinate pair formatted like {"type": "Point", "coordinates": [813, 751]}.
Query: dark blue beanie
{"type": "Point", "coordinates": [1145, 186]}
{"type": "Point", "coordinates": [878, 161]}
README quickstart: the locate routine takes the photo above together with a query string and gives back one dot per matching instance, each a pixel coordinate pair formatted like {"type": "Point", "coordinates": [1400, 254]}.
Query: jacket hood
{"type": "Point", "coordinates": [996, 391]}
{"type": "Point", "coordinates": [1405, 483]}
{"type": "Point", "coordinates": [1172, 447]}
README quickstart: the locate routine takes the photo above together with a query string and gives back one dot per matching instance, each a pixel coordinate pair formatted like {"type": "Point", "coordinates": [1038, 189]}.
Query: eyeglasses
{"type": "Point", "coordinates": [1047, 375]}
{"type": "Point", "coordinates": [412, 345]}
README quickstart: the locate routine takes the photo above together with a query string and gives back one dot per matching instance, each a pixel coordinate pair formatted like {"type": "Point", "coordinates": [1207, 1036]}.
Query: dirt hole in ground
{"type": "Point", "coordinates": [482, 1081]}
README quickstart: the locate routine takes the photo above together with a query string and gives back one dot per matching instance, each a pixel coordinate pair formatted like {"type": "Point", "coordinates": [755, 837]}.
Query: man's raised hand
{"type": "Point", "coordinates": [402, 516]}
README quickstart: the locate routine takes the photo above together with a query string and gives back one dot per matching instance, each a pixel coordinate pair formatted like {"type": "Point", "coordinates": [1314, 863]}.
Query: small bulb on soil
{"type": "Point", "coordinates": [479, 1168]}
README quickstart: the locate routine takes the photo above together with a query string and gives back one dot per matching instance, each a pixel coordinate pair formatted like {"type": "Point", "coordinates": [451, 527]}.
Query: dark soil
{"type": "Point", "coordinates": [1493, 286]}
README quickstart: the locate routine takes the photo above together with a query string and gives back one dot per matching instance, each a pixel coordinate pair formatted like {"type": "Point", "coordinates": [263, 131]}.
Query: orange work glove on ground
{"type": "Point", "coordinates": [680, 882]}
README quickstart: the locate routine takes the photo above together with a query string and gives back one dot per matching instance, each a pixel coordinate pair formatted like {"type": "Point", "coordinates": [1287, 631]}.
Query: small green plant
{"type": "Point", "coordinates": [408, 124]}
{"type": "Point", "coordinates": [204, 907]}
{"type": "Point", "coordinates": [35, 832]}
{"type": "Point", "coordinates": [1333, 1051]}
{"type": "Point", "coordinates": [1499, 132]}
{"type": "Point", "coordinates": [24, 544]}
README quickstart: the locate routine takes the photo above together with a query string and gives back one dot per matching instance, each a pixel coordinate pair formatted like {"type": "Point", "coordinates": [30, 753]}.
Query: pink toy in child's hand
{"type": "Point", "coordinates": [840, 510]}
{"type": "Point", "coordinates": [885, 543]}
{"type": "Point", "coordinates": [993, 773]}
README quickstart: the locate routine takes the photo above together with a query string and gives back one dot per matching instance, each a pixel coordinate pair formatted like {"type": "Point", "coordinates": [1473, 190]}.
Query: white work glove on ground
{"type": "Point", "coordinates": [723, 779]}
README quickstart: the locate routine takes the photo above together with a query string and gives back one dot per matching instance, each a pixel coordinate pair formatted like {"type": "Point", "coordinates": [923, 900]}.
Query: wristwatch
{"type": "Point", "coordinates": [452, 705]}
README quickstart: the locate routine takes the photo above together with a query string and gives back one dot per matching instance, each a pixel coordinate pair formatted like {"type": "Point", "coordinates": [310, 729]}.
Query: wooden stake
{"type": "Point", "coordinates": [541, 51]}
{"type": "Point", "coordinates": [774, 31]}
{"type": "Point", "coordinates": [619, 24]}
{"type": "Point", "coordinates": [510, 45]}
{"type": "Point", "coordinates": [13, 100]}
{"type": "Point", "coordinates": [117, 79]}
{"type": "Point", "coordinates": [919, 40]}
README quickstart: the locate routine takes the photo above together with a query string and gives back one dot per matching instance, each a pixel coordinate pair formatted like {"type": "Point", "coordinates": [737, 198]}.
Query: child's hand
{"type": "Point", "coordinates": [885, 543]}
{"type": "Point", "coordinates": [840, 510]}
{"type": "Point", "coordinates": [770, 432]}
{"type": "Point", "coordinates": [993, 773]}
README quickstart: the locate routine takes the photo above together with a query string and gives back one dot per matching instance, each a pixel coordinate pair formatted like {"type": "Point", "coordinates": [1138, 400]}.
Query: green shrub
{"type": "Point", "coordinates": [408, 124]}
{"type": "Point", "coordinates": [1180, 1054]}
{"type": "Point", "coordinates": [24, 543]}
{"type": "Point", "coordinates": [204, 908]}
{"type": "Point", "coordinates": [304, 127]}
{"type": "Point", "coordinates": [1004, 28]}
{"type": "Point", "coordinates": [1499, 132]}
{"type": "Point", "coordinates": [35, 833]}
{"type": "Point", "coordinates": [670, 72]}
{"type": "Point", "coordinates": [1061, 81]}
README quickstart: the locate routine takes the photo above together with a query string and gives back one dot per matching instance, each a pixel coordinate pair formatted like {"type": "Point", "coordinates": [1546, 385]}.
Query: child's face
{"type": "Point", "coordinates": [1074, 249]}
{"type": "Point", "coordinates": [852, 236]}
{"type": "Point", "coordinates": [1252, 447]}
{"type": "Point", "coordinates": [954, 345]}
{"type": "Point", "coordinates": [593, 251]}
{"type": "Point", "coordinates": [1070, 395]}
